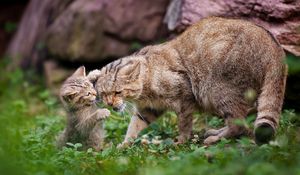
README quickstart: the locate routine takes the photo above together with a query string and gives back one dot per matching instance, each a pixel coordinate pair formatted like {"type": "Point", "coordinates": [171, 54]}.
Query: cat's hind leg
{"type": "Point", "coordinates": [230, 104]}
{"type": "Point", "coordinates": [213, 132]}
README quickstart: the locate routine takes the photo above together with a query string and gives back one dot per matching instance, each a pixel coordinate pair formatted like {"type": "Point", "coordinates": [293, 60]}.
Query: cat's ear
{"type": "Point", "coordinates": [79, 72]}
{"type": "Point", "coordinates": [133, 71]}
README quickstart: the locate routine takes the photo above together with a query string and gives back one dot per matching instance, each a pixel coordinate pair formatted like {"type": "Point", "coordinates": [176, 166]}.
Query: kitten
{"type": "Point", "coordinates": [211, 66]}
{"type": "Point", "coordinates": [84, 120]}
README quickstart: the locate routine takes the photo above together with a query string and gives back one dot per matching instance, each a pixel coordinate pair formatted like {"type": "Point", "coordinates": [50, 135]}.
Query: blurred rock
{"type": "Point", "coordinates": [55, 75]}
{"type": "Point", "coordinates": [8, 21]}
{"type": "Point", "coordinates": [92, 30]}
{"type": "Point", "coordinates": [280, 17]}
{"type": "Point", "coordinates": [135, 19]}
{"type": "Point", "coordinates": [27, 42]}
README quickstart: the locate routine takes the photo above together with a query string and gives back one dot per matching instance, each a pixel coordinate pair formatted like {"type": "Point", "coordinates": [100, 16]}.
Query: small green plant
{"type": "Point", "coordinates": [215, 122]}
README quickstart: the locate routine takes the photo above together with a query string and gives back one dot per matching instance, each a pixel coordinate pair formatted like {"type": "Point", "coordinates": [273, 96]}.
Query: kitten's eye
{"type": "Point", "coordinates": [88, 94]}
{"type": "Point", "coordinates": [118, 92]}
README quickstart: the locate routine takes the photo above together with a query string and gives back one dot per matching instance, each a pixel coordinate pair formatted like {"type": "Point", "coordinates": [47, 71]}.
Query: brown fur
{"type": "Point", "coordinates": [85, 120]}
{"type": "Point", "coordinates": [210, 66]}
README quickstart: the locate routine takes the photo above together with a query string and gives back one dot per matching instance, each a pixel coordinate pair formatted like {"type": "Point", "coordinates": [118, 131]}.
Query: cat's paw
{"type": "Point", "coordinates": [124, 145]}
{"type": "Point", "coordinates": [211, 140]}
{"type": "Point", "coordinates": [214, 132]}
{"type": "Point", "coordinates": [181, 140]}
{"type": "Point", "coordinates": [103, 114]}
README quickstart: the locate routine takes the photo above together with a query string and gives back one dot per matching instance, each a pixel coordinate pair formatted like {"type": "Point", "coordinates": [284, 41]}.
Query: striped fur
{"type": "Point", "coordinates": [84, 122]}
{"type": "Point", "coordinates": [211, 66]}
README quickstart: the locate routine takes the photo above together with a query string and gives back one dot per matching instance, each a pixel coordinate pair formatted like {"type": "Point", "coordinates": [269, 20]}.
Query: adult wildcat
{"type": "Point", "coordinates": [210, 66]}
{"type": "Point", "coordinates": [84, 120]}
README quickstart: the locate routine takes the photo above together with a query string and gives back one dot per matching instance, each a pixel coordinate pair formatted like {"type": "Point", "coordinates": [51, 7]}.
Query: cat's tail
{"type": "Point", "coordinates": [270, 103]}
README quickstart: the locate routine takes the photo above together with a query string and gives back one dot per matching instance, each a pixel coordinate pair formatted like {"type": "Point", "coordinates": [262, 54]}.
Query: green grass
{"type": "Point", "coordinates": [31, 118]}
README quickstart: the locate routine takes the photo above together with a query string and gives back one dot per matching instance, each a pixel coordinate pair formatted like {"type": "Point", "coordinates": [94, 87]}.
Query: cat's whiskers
{"type": "Point", "coordinates": [135, 111]}
{"type": "Point", "coordinates": [131, 107]}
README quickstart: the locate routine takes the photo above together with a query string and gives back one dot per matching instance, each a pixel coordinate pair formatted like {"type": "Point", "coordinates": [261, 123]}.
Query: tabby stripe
{"type": "Point", "coordinates": [268, 118]}
{"type": "Point", "coordinates": [106, 70]}
{"type": "Point", "coordinates": [111, 66]}
{"type": "Point", "coordinates": [120, 67]}
{"type": "Point", "coordinates": [76, 85]}
{"type": "Point", "coordinates": [120, 61]}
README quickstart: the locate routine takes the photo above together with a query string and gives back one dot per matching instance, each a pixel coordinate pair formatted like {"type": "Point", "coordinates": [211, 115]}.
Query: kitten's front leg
{"type": "Point", "coordinates": [102, 114]}
{"type": "Point", "coordinates": [87, 122]}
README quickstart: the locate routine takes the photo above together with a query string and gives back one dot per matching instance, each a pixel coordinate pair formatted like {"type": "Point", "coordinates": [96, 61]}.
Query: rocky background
{"type": "Point", "coordinates": [56, 36]}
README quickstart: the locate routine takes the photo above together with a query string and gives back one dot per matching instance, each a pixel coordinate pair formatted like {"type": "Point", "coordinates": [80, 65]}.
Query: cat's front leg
{"type": "Point", "coordinates": [135, 126]}
{"type": "Point", "coordinates": [185, 123]}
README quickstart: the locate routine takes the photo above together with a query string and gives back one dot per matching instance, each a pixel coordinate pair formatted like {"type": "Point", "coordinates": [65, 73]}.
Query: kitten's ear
{"type": "Point", "coordinates": [79, 72]}
{"type": "Point", "coordinates": [67, 93]}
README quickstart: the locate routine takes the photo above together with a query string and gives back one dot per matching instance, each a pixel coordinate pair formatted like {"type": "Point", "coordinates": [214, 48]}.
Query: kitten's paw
{"type": "Point", "coordinates": [93, 75]}
{"type": "Point", "coordinates": [211, 140]}
{"type": "Point", "coordinates": [102, 114]}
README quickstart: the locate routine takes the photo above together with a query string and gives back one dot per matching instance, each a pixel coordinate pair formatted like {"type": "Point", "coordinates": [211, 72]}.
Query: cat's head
{"type": "Point", "coordinates": [118, 81]}
{"type": "Point", "coordinates": [77, 91]}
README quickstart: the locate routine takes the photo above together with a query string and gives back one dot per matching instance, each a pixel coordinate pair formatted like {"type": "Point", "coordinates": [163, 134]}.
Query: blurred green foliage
{"type": "Point", "coordinates": [31, 118]}
{"type": "Point", "coordinates": [10, 27]}
{"type": "Point", "coordinates": [135, 46]}
{"type": "Point", "coordinates": [293, 63]}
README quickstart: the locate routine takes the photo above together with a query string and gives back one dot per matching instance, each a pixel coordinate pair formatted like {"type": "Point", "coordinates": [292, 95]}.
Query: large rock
{"type": "Point", "coordinates": [92, 30]}
{"type": "Point", "coordinates": [55, 74]}
{"type": "Point", "coordinates": [26, 44]}
{"type": "Point", "coordinates": [280, 17]}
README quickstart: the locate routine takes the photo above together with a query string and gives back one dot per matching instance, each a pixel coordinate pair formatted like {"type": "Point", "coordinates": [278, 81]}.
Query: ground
{"type": "Point", "coordinates": [31, 118]}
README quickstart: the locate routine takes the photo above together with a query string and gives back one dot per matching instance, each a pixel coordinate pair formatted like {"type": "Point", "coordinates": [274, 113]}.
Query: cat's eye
{"type": "Point", "coordinates": [88, 94]}
{"type": "Point", "coordinates": [118, 92]}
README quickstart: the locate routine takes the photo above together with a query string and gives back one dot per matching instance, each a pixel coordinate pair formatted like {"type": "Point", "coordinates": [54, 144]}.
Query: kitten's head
{"type": "Point", "coordinates": [118, 81]}
{"type": "Point", "coordinates": [77, 91]}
